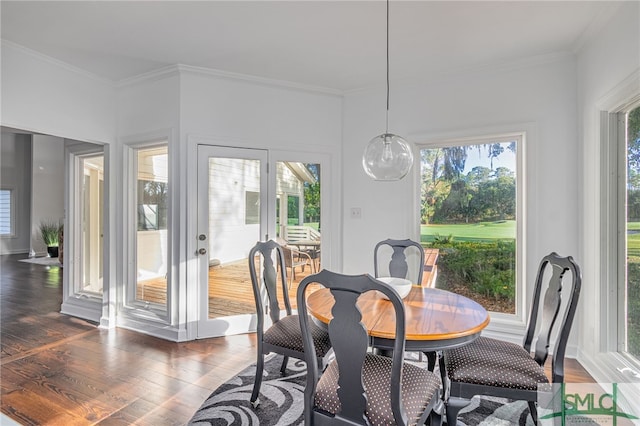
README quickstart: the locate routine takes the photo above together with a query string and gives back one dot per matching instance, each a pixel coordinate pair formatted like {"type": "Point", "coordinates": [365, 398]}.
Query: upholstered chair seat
{"type": "Point", "coordinates": [418, 386]}
{"type": "Point", "coordinates": [492, 362]}
{"type": "Point", "coordinates": [283, 336]}
{"type": "Point", "coordinates": [286, 334]}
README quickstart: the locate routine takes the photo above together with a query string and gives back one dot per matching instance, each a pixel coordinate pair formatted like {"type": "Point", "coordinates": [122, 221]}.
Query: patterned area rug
{"type": "Point", "coordinates": [281, 402]}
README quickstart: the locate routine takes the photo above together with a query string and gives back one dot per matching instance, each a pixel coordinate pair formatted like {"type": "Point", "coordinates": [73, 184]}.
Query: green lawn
{"type": "Point", "coordinates": [483, 231]}
{"type": "Point", "coordinates": [633, 240]}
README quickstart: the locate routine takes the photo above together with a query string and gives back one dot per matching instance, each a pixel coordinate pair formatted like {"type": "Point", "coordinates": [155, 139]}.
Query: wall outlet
{"type": "Point", "coordinates": [356, 213]}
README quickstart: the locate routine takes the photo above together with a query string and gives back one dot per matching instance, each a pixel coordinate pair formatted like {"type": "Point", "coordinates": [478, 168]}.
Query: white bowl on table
{"type": "Point", "coordinates": [400, 285]}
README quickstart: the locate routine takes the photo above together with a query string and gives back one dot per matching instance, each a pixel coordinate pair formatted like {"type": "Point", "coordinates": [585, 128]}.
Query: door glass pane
{"type": "Point", "coordinates": [298, 216]}
{"type": "Point", "coordinates": [92, 221]}
{"type": "Point", "coordinates": [631, 324]}
{"type": "Point", "coordinates": [468, 213]}
{"type": "Point", "coordinates": [234, 227]}
{"type": "Point", "coordinates": [152, 190]}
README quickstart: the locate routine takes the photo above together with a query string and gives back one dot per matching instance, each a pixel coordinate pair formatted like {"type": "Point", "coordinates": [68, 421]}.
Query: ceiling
{"type": "Point", "coordinates": [336, 45]}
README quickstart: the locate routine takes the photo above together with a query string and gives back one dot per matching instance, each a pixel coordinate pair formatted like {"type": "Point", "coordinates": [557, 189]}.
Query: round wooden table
{"type": "Point", "coordinates": [435, 319]}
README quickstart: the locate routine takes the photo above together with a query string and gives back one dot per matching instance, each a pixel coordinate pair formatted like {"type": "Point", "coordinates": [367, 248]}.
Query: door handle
{"type": "Point", "coordinates": [202, 251]}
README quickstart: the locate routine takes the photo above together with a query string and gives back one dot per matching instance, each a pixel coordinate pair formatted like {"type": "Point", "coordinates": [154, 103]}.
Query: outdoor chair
{"type": "Point", "coordinates": [283, 336]}
{"type": "Point", "coordinates": [359, 387]}
{"type": "Point", "coordinates": [494, 367]}
{"type": "Point", "coordinates": [294, 258]}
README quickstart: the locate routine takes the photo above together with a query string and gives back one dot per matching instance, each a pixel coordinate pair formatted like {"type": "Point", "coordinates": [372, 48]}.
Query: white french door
{"type": "Point", "coordinates": [233, 214]}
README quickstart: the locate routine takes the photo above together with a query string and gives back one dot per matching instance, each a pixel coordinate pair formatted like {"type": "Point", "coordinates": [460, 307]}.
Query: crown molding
{"type": "Point", "coordinates": [56, 62]}
{"type": "Point", "coordinates": [475, 70]}
{"type": "Point", "coordinates": [209, 72]}
{"type": "Point", "coordinates": [147, 77]}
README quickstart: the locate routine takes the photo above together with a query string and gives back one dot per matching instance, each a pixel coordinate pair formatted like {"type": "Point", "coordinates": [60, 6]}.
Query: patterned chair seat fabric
{"type": "Point", "coordinates": [286, 333]}
{"type": "Point", "coordinates": [418, 386]}
{"type": "Point", "coordinates": [494, 363]}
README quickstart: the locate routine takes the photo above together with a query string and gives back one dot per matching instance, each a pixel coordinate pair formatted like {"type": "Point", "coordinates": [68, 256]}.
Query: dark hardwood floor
{"type": "Point", "coordinates": [59, 370]}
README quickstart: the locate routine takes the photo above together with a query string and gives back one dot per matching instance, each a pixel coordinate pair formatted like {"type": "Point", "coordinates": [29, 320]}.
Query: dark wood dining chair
{"type": "Point", "coordinates": [283, 336]}
{"type": "Point", "coordinates": [494, 367]}
{"type": "Point", "coordinates": [359, 387]}
{"type": "Point", "coordinates": [396, 264]}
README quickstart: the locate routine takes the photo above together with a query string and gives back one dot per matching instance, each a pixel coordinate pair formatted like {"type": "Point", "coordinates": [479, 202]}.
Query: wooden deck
{"type": "Point", "coordinates": [231, 293]}
{"type": "Point", "coordinates": [230, 290]}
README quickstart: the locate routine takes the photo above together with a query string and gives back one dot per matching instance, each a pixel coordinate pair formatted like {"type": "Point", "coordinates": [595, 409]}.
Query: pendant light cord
{"type": "Point", "coordinates": [387, 114]}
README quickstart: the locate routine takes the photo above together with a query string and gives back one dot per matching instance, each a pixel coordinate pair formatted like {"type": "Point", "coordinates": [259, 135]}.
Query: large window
{"type": "Point", "coordinates": [470, 212]}
{"type": "Point", "coordinates": [6, 212]}
{"type": "Point", "coordinates": [629, 288]}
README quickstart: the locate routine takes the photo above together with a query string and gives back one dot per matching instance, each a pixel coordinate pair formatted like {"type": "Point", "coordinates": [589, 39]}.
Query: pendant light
{"type": "Point", "coordinates": [387, 157]}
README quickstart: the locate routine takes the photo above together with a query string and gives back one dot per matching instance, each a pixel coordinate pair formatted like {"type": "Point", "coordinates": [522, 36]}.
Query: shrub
{"type": "Point", "coordinates": [487, 268]}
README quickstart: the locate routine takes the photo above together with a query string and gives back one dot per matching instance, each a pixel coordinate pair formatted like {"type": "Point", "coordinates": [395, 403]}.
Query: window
{"type": "Point", "coordinates": [470, 211]}
{"type": "Point", "coordinates": [629, 286]}
{"type": "Point", "coordinates": [149, 180]}
{"type": "Point", "coordinates": [6, 212]}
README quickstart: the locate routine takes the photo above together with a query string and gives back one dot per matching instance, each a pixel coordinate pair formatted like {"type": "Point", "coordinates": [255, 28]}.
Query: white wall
{"type": "Point", "coordinates": [607, 65]}
{"type": "Point", "coordinates": [47, 195]}
{"type": "Point", "coordinates": [43, 95]}
{"type": "Point", "coordinates": [540, 96]}
{"type": "Point", "coordinates": [15, 174]}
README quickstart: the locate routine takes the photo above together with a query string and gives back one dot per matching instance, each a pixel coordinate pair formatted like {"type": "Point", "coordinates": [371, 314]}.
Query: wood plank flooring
{"type": "Point", "coordinates": [58, 370]}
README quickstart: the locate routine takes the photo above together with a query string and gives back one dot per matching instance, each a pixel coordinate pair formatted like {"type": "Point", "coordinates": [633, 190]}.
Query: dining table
{"type": "Point", "coordinates": [436, 320]}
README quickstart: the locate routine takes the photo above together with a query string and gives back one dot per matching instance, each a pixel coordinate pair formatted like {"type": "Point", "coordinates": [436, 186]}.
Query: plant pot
{"type": "Point", "coordinates": [52, 251]}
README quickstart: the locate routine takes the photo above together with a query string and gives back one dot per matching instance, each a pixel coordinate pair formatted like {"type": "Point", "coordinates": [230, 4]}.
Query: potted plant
{"type": "Point", "coordinates": [49, 232]}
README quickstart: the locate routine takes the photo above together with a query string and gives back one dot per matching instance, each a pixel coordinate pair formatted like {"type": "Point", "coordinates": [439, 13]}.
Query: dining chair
{"type": "Point", "coordinates": [359, 387]}
{"type": "Point", "coordinates": [283, 336]}
{"type": "Point", "coordinates": [397, 253]}
{"type": "Point", "coordinates": [397, 265]}
{"type": "Point", "coordinates": [494, 367]}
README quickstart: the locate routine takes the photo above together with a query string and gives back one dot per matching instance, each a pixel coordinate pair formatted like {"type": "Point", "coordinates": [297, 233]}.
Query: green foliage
{"type": "Point", "coordinates": [439, 240]}
{"type": "Point", "coordinates": [483, 194]}
{"type": "Point", "coordinates": [312, 195]}
{"type": "Point", "coordinates": [487, 268]}
{"type": "Point", "coordinates": [633, 305]}
{"type": "Point", "coordinates": [49, 231]}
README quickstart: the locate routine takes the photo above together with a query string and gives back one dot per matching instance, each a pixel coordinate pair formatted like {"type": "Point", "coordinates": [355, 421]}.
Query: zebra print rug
{"type": "Point", "coordinates": [281, 402]}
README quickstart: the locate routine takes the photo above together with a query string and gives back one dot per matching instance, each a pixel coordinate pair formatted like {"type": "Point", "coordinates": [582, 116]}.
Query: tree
{"type": "Point", "coordinates": [312, 195]}
{"type": "Point", "coordinates": [633, 148]}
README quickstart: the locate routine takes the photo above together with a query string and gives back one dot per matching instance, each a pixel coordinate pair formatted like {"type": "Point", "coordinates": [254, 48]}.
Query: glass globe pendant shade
{"type": "Point", "coordinates": [387, 157]}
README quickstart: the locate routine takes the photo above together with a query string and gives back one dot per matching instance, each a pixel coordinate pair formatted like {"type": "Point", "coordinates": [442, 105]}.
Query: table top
{"type": "Point", "coordinates": [435, 318]}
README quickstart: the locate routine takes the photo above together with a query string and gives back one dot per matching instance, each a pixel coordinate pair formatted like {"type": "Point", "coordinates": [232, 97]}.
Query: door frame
{"type": "Point", "coordinates": [85, 306]}
{"type": "Point", "coordinates": [237, 324]}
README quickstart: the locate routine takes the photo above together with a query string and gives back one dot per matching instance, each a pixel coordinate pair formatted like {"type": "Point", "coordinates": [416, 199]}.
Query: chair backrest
{"type": "Point", "coordinates": [546, 309]}
{"type": "Point", "coordinates": [398, 266]}
{"type": "Point", "coordinates": [350, 342]}
{"type": "Point", "coordinates": [264, 254]}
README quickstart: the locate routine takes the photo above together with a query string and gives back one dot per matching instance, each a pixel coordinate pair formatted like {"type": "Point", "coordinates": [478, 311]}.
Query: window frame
{"type": "Point", "coordinates": [615, 339]}
{"type": "Point", "coordinates": [130, 304]}
{"type": "Point", "coordinates": [605, 358]}
{"type": "Point", "coordinates": [504, 326]}
{"type": "Point", "coordinates": [12, 215]}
